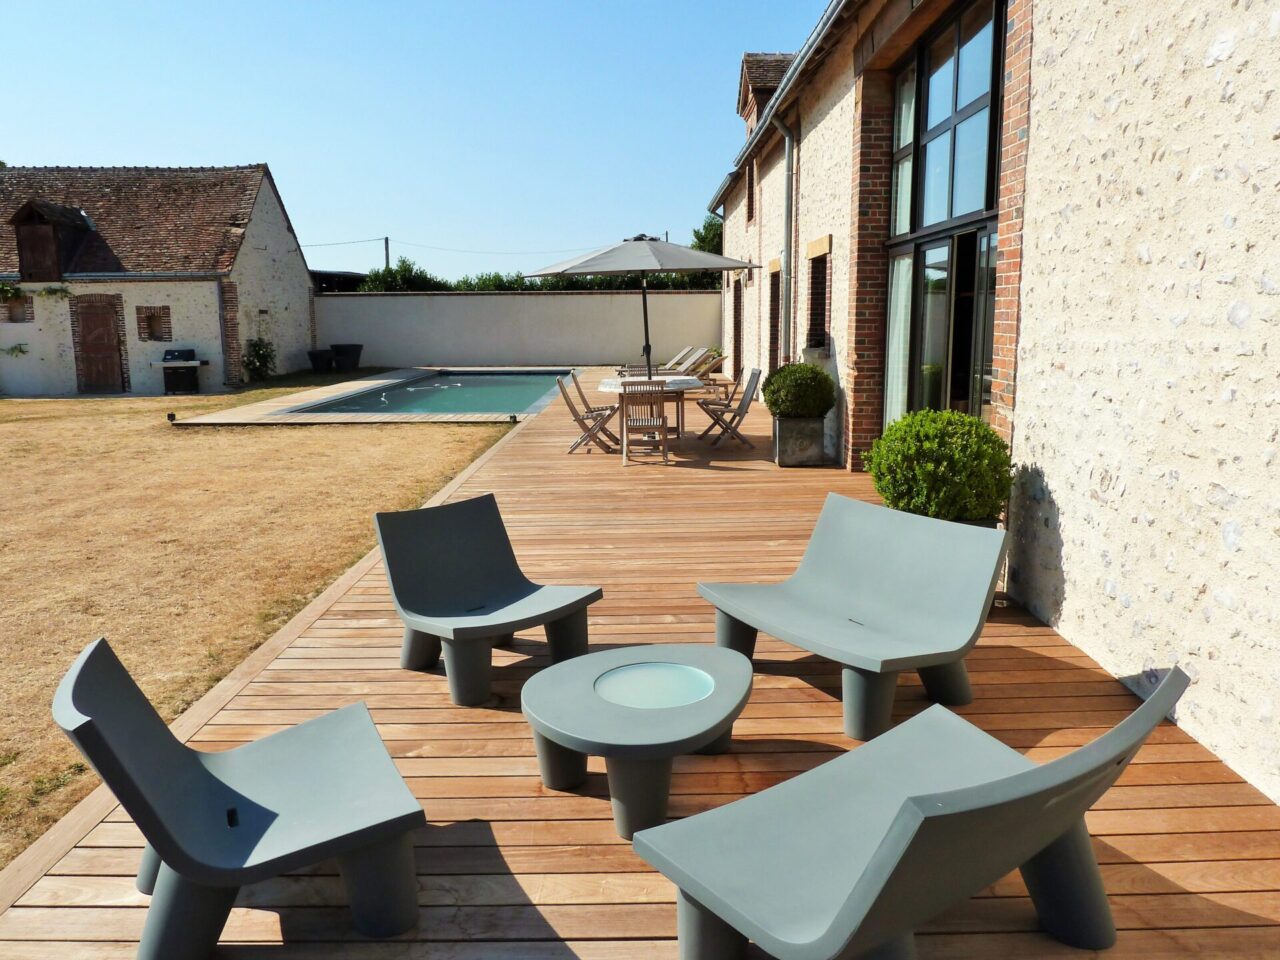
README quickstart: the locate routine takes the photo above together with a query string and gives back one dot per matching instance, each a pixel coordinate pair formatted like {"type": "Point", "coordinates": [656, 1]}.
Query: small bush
{"type": "Point", "coordinates": [942, 464]}
{"type": "Point", "coordinates": [799, 390]}
{"type": "Point", "coordinates": [259, 358]}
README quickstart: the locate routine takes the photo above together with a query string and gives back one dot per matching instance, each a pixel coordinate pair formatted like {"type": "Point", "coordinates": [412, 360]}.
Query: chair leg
{"type": "Point", "coordinates": [734, 634]}
{"type": "Point", "coordinates": [639, 788]}
{"type": "Point", "coordinates": [567, 637]}
{"type": "Point", "coordinates": [561, 768]}
{"type": "Point", "coordinates": [382, 887]}
{"type": "Point", "coordinates": [468, 665]}
{"type": "Point", "coordinates": [1066, 887]}
{"type": "Point", "coordinates": [147, 870]}
{"type": "Point", "coordinates": [703, 935]}
{"type": "Point", "coordinates": [185, 919]}
{"type": "Point", "coordinates": [868, 702]}
{"type": "Point", "coordinates": [947, 683]}
{"type": "Point", "coordinates": [420, 651]}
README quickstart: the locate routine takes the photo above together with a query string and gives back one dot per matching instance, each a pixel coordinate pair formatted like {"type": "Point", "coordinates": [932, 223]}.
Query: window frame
{"type": "Point", "coordinates": [922, 136]}
{"type": "Point", "coordinates": [823, 271]}
{"type": "Point", "coordinates": [751, 191]}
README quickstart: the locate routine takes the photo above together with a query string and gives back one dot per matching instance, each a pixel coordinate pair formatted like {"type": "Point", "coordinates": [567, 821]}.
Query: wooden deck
{"type": "Point", "coordinates": [508, 870]}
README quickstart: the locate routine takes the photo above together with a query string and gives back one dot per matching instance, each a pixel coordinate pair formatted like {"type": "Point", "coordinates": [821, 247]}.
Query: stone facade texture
{"type": "Point", "coordinates": [1147, 514]}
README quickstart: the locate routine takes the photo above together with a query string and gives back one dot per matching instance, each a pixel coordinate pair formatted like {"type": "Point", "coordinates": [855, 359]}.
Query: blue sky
{"type": "Point", "coordinates": [481, 125]}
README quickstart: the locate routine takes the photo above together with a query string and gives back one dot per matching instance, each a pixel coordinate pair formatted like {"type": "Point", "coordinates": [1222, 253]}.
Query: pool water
{"type": "Point", "coordinates": [447, 392]}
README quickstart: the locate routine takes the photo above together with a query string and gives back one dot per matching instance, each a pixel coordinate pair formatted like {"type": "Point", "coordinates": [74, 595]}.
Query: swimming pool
{"type": "Point", "coordinates": [446, 391]}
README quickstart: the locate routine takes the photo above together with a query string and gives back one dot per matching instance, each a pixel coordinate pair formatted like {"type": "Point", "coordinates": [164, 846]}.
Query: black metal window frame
{"type": "Point", "coordinates": [922, 136]}
{"type": "Point", "coordinates": [818, 328]}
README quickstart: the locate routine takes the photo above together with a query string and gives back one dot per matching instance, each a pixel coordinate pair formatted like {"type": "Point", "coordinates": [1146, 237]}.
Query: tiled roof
{"type": "Point", "coordinates": [765, 70]}
{"type": "Point", "coordinates": [148, 219]}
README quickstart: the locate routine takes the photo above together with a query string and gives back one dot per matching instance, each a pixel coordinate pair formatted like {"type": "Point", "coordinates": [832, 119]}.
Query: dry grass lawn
{"type": "Point", "coordinates": [186, 548]}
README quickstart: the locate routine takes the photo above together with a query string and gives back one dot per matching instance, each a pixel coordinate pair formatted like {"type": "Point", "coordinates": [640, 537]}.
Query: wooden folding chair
{"type": "Point", "coordinates": [729, 419]}
{"type": "Point", "coordinates": [644, 417]}
{"type": "Point", "coordinates": [592, 423]}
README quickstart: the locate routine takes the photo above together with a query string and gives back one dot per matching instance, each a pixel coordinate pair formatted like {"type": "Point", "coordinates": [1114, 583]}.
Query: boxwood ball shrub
{"type": "Point", "coordinates": [943, 464]}
{"type": "Point", "coordinates": [799, 390]}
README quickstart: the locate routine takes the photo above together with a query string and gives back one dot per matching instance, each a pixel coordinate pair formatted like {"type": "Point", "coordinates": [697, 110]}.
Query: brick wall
{"type": "Point", "coordinates": [869, 265]}
{"type": "Point", "coordinates": [116, 302]}
{"type": "Point", "coordinates": [230, 319]}
{"type": "Point", "coordinates": [22, 310]}
{"type": "Point", "coordinates": [1012, 187]}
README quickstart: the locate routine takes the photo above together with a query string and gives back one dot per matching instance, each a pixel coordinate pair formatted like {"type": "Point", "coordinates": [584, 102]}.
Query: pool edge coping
{"type": "Point", "coordinates": [292, 410]}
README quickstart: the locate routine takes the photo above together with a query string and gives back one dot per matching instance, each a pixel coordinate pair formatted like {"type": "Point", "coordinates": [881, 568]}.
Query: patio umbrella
{"type": "Point", "coordinates": [643, 255]}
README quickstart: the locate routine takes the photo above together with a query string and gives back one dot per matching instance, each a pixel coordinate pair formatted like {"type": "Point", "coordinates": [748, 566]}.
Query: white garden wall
{"type": "Point", "coordinates": [515, 329]}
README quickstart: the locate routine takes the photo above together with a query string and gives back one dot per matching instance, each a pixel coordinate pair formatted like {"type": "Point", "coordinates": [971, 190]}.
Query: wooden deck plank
{"type": "Point", "coordinates": [508, 869]}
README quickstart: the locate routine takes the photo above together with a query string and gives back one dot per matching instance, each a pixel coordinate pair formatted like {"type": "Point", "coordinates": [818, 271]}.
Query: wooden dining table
{"type": "Point", "coordinates": [674, 390]}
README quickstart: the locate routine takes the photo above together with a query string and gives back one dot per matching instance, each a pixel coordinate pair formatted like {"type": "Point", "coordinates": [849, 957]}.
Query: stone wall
{"type": "Point", "coordinates": [1147, 521]}
{"type": "Point", "coordinates": [273, 284]}
{"type": "Point", "coordinates": [48, 367]}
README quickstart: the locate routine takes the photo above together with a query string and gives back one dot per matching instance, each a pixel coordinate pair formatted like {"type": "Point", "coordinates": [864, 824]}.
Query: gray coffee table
{"type": "Point", "coordinates": [639, 708]}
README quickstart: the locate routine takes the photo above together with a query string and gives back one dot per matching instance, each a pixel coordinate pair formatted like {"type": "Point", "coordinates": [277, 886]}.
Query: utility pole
{"type": "Point", "coordinates": [386, 251]}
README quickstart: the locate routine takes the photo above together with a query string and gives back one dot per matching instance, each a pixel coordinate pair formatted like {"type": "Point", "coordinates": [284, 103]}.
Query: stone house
{"type": "Point", "coordinates": [1061, 217]}
{"type": "Point", "coordinates": [115, 265]}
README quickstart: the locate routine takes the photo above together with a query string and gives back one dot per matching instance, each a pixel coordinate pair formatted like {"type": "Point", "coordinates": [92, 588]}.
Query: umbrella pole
{"type": "Point", "coordinates": [644, 305]}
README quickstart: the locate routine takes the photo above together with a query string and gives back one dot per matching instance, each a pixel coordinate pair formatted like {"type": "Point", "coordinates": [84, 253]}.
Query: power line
{"type": "Point", "coordinates": [428, 246]}
{"type": "Point", "coordinates": [342, 243]}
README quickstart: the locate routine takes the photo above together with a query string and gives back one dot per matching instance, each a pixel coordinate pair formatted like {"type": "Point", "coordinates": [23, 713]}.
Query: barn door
{"type": "Point", "coordinates": [100, 349]}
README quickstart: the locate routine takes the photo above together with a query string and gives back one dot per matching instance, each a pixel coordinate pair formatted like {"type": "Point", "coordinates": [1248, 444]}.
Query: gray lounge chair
{"type": "Point", "coordinates": [878, 591]}
{"type": "Point", "coordinates": [848, 859]}
{"type": "Point", "coordinates": [456, 583]}
{"type": "Point", "coordinates": [217, 821]}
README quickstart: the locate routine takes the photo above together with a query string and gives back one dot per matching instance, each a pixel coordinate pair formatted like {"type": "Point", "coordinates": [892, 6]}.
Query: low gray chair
{"type": "Point", "coordinates": [456, 583]}
{"type": "Point", "coordinates": [848, 859]}
{"type": "Point", "coordinates": [214, 822]}
{"type": "Point", "coordinates": [878, 591]}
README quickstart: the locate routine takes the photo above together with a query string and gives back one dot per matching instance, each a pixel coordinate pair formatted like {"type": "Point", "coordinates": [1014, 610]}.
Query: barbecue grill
{"type": "Point", "coordinates": [181, 370]}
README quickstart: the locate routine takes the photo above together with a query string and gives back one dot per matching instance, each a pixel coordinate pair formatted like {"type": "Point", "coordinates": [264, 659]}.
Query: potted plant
{"type": "Point", "coordinates": [799, 395]}
{"type": "Point", "coordinates": [321, 360]}
{"type": "Point", "coordinates": [346, 356]}
{"type": "Point", "coordinates": [942, 464]}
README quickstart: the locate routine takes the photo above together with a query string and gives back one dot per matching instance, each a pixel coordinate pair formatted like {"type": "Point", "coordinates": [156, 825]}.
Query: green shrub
{"type": "Point", "coordinates": [799, 390]}
{"type": "Point", "coordinates": [942, 464]}
{"type": "Point", "coordinates": [259, 358]}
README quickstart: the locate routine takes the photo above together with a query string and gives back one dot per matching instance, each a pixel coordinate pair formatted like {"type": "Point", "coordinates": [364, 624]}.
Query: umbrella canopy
{"type": "Point", "coordinates": [643, 255]}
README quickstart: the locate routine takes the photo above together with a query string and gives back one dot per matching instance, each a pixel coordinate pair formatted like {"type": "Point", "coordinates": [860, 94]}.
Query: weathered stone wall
{"type": "Point", "coordinates": [824, 208]}
{"type": "Point", "coordinates": [273, 283]}
{"type": "Point", "coordinates": [1148, 383]}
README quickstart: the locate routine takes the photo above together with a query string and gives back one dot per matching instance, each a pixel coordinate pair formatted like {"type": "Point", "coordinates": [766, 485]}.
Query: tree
{"type": "Point", "coordinates": [709, 238]}
{"type": "Point", "coordinates": [404, 276]}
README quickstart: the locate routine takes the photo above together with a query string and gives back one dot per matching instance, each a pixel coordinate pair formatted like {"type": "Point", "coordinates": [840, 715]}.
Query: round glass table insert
{"type": "Point", "coordinates": [651, 686]}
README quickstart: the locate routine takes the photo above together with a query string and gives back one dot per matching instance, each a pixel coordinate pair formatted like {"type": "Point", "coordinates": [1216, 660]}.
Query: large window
{"type": "Point", "coordinates": [942, 242]}
{"type": "Point", "coordinates": [942, 166]}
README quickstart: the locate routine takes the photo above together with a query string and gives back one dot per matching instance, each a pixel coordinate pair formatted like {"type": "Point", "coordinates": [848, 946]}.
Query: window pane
{"type": "Point", "coordinates": [937, 175]}
{"type": "Point", "coordinates": [969, 191]}
{"type": "Point", "coordinates": [942, 62]}
{"type": "Point", "coordinates": [899, 340]}
{"type": "Point", "coordinates": [984, 309]}
{"type": "Point", "coordinates": [904, 116]}
{"type": "Point", "coordinates": [902, 196]}
{"type": "Point", "coordinates": [975, 55]}
{"type": "Point", "coordinates": [934, 312]}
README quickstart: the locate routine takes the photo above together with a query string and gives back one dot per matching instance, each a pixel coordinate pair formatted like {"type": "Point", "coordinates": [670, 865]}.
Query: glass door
{"type": "Point", "coordinates": [932, 327]}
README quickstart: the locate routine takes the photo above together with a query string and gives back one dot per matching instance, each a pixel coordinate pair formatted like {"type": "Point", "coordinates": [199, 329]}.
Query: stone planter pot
{"type": "Point", "coordinates": [798, 441]}
{"type": "Point", "coordinates": [321, 360]}
{"type": "Point", "coordinates": [346, 356]}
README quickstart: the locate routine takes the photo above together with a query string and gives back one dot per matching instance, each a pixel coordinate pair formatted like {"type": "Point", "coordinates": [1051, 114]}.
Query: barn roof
{"type": "Point", "coordinates": [147, 219]}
